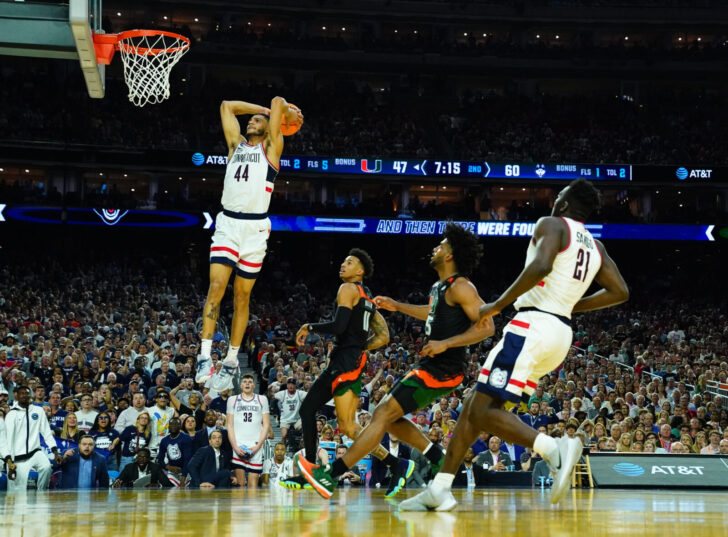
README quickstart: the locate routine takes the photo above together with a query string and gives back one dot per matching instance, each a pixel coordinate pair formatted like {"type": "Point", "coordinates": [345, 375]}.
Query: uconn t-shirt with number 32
{"type": "Point", "coordinates": [247, 417]}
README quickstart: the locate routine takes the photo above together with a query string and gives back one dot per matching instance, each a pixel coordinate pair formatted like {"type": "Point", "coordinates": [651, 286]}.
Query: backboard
{"type": "Point", "coordinates": [55, 30]}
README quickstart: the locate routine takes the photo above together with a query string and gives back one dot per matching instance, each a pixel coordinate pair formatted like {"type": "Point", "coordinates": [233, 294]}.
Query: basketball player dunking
{"type": "Point", "coordinates": [355, 314]}
{"type": "Point", "coordinates": [242, 228]}
{"type": "Point", "coordinates": [562, 260]}
{"type": "Point", "coordinates": [451, 318]}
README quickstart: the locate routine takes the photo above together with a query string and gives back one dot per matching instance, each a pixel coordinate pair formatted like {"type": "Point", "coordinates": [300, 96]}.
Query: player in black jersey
{"type": "Point", "coordinates": [355, 314]}
{"type": "Point", "coordinates": [451, 318]}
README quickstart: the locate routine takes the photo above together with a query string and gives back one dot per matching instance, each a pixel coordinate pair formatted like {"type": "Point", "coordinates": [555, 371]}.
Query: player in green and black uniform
{"type": "Point", "coordinates": [355, 314]}
{"type": "Point", "coordinates": [451, 318]}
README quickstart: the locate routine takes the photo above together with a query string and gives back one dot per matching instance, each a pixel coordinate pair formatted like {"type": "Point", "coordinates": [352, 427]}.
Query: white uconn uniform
{"type": "Point", "coordinates": [248, 423]}
{"type": "Point", "coordinates": [243, 227]}
{"type": "Point", "coordinates": [538, 338]}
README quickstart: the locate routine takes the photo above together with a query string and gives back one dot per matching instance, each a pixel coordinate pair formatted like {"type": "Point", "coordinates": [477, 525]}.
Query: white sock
{"type": "Point", "coordinates": [231, 358]}
{"type": "Point", "coordinates": [545, 446]}
{"type": "Point", "coordinates": [443, 481]}
{"type": "Point", "coordinates": [206, 348]}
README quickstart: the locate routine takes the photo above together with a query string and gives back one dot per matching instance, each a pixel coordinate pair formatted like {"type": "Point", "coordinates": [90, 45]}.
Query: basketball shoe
{"type": "Point", "coordinates": [205, 369]}
{"type": "Point", "coordinates": [223, 380]}
{"type": "Point", "coordinates": [562, 463]}
{"type": "Point", "coordinates": [295, 483]}
{"type": "Point", "coordinates": [319, 477]}
{"type": "Point", "coordinates": [400, 475]}
{"type": "Point", "coordinates": [432, 498]}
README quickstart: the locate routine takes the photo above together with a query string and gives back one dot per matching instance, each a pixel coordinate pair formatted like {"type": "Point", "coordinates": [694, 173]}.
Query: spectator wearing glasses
{"type": "Point", "coordinates": [160, 413]}
{"type": "Point", "coordinates": [107, 438]}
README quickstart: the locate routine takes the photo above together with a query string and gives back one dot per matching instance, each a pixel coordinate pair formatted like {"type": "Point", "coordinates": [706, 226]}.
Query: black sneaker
{"type": "Point", "coordinates": [400, 475]}
{"type": "Point", "coordinates": [295, 483]}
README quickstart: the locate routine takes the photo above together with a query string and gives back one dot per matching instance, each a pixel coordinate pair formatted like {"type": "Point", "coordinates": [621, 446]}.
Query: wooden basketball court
{"type": "Point", "coordinates": [353, 512]}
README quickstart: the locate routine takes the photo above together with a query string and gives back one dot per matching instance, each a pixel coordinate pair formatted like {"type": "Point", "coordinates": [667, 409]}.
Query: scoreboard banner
{"type": "Point", "coordinates": [123, 218]}
{"type": "Point", "coordinates": [454, 169]}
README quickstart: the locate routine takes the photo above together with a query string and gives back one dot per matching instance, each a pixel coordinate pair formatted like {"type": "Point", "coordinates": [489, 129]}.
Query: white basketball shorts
{"type": "Point", "coordinates": [240, 244]}
{"type": "Point", "coordinates": [534, 343]}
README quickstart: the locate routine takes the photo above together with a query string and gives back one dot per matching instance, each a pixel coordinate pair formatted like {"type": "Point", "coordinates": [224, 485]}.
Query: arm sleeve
{"type": "Point", "coordinates": [9, 437]}
{"type": "Point", "coordinates": [337, 326]}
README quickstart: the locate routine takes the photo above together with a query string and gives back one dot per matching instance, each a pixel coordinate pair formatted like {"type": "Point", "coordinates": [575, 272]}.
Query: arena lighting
{"type": "Point", "coordinates": [118, 13]}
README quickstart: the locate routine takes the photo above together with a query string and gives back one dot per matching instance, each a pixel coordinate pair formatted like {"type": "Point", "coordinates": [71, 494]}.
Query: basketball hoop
{"type": "Point", "coordinates": [148, 57]}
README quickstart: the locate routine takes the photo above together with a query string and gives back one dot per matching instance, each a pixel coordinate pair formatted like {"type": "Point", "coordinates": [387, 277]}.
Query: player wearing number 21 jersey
{"type": "Point", "coordinates": [562, 261]}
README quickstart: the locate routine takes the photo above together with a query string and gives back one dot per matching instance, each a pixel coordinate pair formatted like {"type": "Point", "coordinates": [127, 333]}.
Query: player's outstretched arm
{"type": "Point", "coordinates": [465, 294]}
{"type": "Point", "coordinates": [279, 110]}
{"type": "Point", "coordinates": [614, 289]}
{"type": "Point", "coordinates": [230, 124]}
{"type": "Point", "coordinates": [380, 336]}
{"type": "Point", "coordinates": [386, 303]}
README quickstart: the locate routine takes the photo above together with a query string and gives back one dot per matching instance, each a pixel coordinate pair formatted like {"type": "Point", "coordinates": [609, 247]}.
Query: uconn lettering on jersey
{"type": "Point", "coordinates": [251, 408]}
{"type": "Point", "coordinates": [245, 157]}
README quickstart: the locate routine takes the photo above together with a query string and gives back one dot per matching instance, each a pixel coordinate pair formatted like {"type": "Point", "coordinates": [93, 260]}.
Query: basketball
{"type": "Point", "coordinates": [288, 129]}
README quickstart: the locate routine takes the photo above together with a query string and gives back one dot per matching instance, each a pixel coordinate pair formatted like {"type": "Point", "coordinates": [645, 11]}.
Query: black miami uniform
{"type": "Point", "coordinates": [348, 358]}
{"type": "Point", "coordinates": [439, 375]}
{"type": "Point", "coordinates": [346, 364]}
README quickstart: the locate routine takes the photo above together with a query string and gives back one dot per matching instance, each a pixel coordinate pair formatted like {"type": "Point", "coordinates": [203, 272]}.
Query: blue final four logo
{"type": "Point", "coordinates": [681, 174]}
{"type": "Point", "coordinates": [629, 469]}
{"type": "Point", "coordinates": [198, 159]}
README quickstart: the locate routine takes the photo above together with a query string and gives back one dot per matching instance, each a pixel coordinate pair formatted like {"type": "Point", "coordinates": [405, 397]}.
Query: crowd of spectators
{"type": "Point", "coordinates": [109, 350]}
{"type": "Point", "coordinates": [403, 119]}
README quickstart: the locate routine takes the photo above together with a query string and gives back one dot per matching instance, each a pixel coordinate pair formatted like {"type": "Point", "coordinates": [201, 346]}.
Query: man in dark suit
{"type": "Point", "coordinates": [83, 468]}
{"type": "Point", "coordinates": [379, 469]}
{"type": "Point", "coordinates": [142, 467]}
{"type": "Point", "coordinates": [202, 437]}
{"type": "Point", "coordinates": [494, 459]}
{"type": "Point", "coordinates": [210, 467]}
{"type": "Point", "coordinates": [470, 474]}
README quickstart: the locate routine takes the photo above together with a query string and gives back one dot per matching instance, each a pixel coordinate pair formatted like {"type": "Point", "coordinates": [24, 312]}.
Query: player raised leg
{"type": "Point", "coordinates": [561, 262]}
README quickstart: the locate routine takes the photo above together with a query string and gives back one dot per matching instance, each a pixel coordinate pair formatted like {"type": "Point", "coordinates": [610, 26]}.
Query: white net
{"type": "Point", "coordinates": [148, 60]}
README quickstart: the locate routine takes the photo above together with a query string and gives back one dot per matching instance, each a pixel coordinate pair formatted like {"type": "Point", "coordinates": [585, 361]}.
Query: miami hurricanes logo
{"type": "Point", "coordinates": [365, 166]}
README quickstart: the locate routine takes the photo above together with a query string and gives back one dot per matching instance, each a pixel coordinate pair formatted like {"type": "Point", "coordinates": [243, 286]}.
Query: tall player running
{"type": "Point", "coordinates": [248, 425]}
{"type": "Point", "coordinates": [562, 260]}
{"type": "Point", "coordinates": [355, 312]}
{"type": "Point", "coordinates": [451, 325]}
{"type": "Point", "coordinates": [242, 228]}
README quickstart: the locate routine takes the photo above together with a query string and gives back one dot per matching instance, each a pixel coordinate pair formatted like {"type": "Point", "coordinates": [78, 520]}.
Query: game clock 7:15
{"type": "Point", "coordinates": [447, 168]}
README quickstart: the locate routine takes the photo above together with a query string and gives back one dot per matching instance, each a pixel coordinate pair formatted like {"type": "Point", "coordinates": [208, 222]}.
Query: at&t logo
{"type": "Point", "coordinates": [629, 469]}
{"type": "Point", "coordinates": [198, 159]}
{"type": "Point", "coordinates": [681, 174]}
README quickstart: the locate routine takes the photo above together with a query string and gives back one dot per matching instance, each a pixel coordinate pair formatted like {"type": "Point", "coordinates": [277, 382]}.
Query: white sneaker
{"type": "Point", "coordinates": [204, 369]}
{"type": "Point", "coordinates": [430, 499]}
{"type": "Point", "coordinates": [224, 379]}
{"type": "Point", "coordinates": [569, 451]}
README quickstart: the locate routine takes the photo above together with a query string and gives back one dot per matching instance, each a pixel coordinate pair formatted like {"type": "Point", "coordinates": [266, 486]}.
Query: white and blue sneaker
{"type": "Point", "coordinates": [204, 369]}
{"type": "Point", "coordinates": [223, 380]}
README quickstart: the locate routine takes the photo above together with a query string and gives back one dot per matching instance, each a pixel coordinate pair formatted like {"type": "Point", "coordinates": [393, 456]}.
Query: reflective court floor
{"type": "Point", "coordinates": [356, 512]}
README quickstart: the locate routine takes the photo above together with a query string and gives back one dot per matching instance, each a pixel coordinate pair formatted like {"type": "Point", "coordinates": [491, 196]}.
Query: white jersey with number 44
{"type": "Point", "coordinates": [573, 271]}
{"type": "Point", "coordinates": [248, 180]}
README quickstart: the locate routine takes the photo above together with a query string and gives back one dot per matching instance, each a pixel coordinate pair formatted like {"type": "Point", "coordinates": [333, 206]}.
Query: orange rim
{"type": "Point", "coordinates": [118, 41]}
